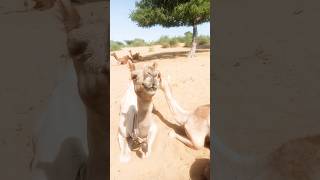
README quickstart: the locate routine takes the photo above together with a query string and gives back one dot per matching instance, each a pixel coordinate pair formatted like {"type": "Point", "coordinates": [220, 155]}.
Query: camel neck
{"type": "Point", "coordinates": [178, 112]}
{"type": "Point", "coordinates": [115, 56]}
{"type": "Point", "coordinates": [144, 105]}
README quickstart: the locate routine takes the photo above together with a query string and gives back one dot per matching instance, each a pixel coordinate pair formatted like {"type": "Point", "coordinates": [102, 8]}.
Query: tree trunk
{"type": "Point", "coordinates": [194, 42]}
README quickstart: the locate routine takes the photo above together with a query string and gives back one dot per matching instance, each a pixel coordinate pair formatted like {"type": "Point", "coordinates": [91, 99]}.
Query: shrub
{"type": "Point", "coordinates": [116, 45]}
{"type": "Point", "coordinates": [165, 45]}
{"type": "Point", "coordinates": [167, 42]}
{"type": "Point", "coordinates": [136, 42]}
{"type": "Point", "coordinates": [151, 49]}
{"type": "Point", "coordinates": [203, 40]}
{"type": "Point", "coordinates": [188, 39]}
{"type": "Point", "coordinates": [173, 42]}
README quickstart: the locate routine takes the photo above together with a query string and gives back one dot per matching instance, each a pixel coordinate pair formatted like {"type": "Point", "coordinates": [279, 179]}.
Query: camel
{"type": "Point", "coordinates": [87, 51]}
{"type": "Point", "coordinates": [135, 57]}
{"type": "Point", "coordinates": [122, 60]}
{"type": "Point", "coordinates": [196, 124]}
{"type": "Point", "coordinates": [136, 109]}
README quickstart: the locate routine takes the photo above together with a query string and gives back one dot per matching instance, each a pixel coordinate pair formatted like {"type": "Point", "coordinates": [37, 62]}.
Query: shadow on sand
{"type": "Point", "coordinates": [178, 129]}
{"type": "Point", "coordinates": [197, 170]}
{"type": "Point", "coordinates": [175, 127]}
{"type": "Point", "coordinates": [171, 55]}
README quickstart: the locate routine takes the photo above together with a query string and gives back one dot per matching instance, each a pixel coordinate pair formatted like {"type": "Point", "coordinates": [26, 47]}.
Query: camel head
{"type": "Point", "coordinates": [87, 50]}
{"type": "Point", "coordinates": [146, 80]}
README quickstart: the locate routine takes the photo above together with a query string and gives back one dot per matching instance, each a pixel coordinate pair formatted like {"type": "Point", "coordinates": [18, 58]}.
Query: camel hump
{"type": "Point", "coordinates": [203, 111]}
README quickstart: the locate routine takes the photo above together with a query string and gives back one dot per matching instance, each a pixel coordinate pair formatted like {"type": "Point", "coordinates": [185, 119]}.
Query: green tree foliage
{"type": "Point", "coordinates": [203, 40]}
{"type": "Point", "coordinates": [172, 13]}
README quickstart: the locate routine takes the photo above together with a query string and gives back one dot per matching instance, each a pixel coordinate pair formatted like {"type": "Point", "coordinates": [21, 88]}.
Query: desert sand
{"type": "Point", "coordinates": [170, 159]}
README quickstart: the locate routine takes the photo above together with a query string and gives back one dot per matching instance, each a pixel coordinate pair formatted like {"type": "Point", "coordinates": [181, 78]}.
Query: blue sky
{"type": "Point", "coordinates": [122, 28]}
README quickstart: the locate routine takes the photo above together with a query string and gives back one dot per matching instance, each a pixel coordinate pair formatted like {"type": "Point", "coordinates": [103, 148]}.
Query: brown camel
{"type": "Point", "coordinates": [121, 60]}
{"type": "Point", "coordinates": [135, 57]}
{"type": "Point", "coordinates": [196, 123]}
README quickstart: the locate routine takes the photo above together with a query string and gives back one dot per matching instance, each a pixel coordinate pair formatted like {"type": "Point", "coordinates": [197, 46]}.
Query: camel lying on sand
{"type": "Point", "coordinates": [135, 56]}
{"type": "Point", "coordinates": [136, 121]}
{"type": "Point", "coordinates": [196, 124]}
{"type": "Point", "coordinates": [121, 60]}
{"type": "Point", "coordinates": [124, 60]}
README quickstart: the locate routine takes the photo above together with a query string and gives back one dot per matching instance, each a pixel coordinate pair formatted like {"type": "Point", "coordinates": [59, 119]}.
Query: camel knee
{"type": "Point", "coordinates": [198, 145]}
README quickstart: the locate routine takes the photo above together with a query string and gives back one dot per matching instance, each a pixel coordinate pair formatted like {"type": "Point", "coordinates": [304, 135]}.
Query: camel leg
{"type": "Point", "coordinates": [124, 149]}
{"type": "Point", "coordinates": [123, 143]}
{"type": "Point", "coordinates": [195, 142]}
{"type": "Point", "coordinates": [150, 140]}
{"type": "Point", "coordinates": [182, 139]}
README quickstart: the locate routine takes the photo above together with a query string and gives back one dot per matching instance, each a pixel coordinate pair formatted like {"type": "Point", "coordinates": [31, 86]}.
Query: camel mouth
{"type": "Point", "coordinates": [151, 90]}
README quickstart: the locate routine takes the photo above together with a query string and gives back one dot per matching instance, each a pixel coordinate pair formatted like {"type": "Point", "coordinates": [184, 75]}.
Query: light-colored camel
{"type": "Point", "coordinates": [121, 60]}
{"type": "Point", "coordinates": [136, 121]}
{"type": "Point", "coordinates": [135, 57]}
{"type": "Point", "coordinates": [196, 124]}
{"type": "Point", "coordinates": [73, 152]}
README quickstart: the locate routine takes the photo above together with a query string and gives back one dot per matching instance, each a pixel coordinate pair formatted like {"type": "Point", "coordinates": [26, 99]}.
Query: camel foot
{"type": "Point", "coordinates": [146, 155]}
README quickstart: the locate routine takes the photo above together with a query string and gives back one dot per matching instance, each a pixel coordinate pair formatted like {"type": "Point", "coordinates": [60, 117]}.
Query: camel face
{"type": "Point", "coordinates": [146, 80]}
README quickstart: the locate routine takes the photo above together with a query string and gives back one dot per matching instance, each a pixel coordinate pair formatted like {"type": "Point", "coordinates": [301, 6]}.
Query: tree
{"type": "Point", "coordinates": [172, 13]}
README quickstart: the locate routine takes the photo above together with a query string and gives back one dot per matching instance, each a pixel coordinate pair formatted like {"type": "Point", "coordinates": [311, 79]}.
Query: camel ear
{"type": "Point", "coordinates": [155, 65]}
{"type": "Point", "coordinates": [132, 67]}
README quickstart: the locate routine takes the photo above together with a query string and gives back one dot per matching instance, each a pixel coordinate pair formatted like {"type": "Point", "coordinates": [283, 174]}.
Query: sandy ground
{"type": "Point", "coordinates": [170, 159]}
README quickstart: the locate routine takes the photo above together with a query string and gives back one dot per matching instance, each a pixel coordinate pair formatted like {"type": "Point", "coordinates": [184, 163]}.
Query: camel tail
{"type": "Point", "coordinates": [68, 15]}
